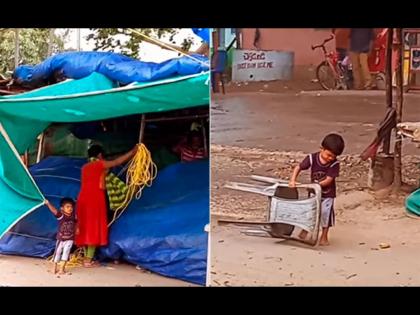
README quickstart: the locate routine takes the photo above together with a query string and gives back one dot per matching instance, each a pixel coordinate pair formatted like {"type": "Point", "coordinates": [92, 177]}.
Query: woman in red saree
{"type": "Point", "coordinates": [91, 206]}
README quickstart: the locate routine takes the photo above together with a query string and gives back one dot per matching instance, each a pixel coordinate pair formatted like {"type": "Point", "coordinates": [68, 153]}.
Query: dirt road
{"type": "Point", "coordinates": [24, 271]}
{"type": "Point", "coordinates": [298, 121]}
{"type": "Point", "coordinates": [266, 134]}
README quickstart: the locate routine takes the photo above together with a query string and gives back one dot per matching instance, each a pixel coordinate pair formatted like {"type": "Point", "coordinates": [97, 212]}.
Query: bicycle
{"type": "Point", "coordinates": [330, 73]}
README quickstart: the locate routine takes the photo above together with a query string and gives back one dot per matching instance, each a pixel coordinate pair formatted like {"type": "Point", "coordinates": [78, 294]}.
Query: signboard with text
{"type": "Point", "coordinates": [253, 65]}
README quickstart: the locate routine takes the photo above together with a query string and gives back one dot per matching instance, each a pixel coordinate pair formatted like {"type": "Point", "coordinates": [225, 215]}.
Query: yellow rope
{"type": "Point", "coordinates": [140, 173]}
{"type": "Point", "coordinates": [75, 260]}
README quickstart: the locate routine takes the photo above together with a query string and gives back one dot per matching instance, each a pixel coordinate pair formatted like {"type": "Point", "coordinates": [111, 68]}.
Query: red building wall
{"type": "Point", "coordinates": [298, 40]}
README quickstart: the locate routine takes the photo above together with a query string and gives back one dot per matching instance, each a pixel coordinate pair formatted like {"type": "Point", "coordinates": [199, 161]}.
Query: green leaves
{"type": "Point", "coordinates": [33, 43]}
{"type": "Point", "coordinates": [127, 42]}
{"type": "Point", "coordinates": [33, 46]}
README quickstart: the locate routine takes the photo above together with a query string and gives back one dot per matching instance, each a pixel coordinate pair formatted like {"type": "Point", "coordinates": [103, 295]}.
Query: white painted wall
{"type": "Point", "coordinates": [254, 65]}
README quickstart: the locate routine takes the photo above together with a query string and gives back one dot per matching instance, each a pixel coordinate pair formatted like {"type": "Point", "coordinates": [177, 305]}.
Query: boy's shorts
{"type": "Point", "coordinates": [327, 212]}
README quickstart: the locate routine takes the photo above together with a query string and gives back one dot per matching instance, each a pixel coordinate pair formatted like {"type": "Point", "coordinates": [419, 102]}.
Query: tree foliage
{"type": "Point", "coordinates": [128, 42]}
{"type": "Point", "coordinates": [33, 46]}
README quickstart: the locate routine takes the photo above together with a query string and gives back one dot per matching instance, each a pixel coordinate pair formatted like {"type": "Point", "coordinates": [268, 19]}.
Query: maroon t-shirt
{"type": "Point", "coordinates": [66, 226]}
{"type": "Point", "coordinates": [320, 171]}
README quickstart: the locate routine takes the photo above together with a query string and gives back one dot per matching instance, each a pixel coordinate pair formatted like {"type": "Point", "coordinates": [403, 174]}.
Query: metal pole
{"type": "Point", "coordinates": [78, 39]}
{"type": "Point", "coordinates": [188, 117]}
{"type": "Point", "coordinates": [40, 152]}
{"type": "Point", "coordinates": [388, 84]}
{"type": "Point", "coordinates": [222, 37]}
{"type": "Point", "coordinates": [50, 42]}
{"type": "Point", "coordinates": [207, 229]}
{"type": "Point", "coordinates": [142, 125]}
{"type": "Point", "coordinates": [238, 34]}
{"type": "Point", "coordinates": [215, 76]}
{"type": "Point", "coordinates": [399, 81]}
{"type": "Point", "coordinates": [17, 45]}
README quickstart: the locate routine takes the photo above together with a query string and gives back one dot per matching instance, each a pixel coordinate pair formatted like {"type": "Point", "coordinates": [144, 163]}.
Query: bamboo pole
{"type": "Point", "coordinates": [50, 42]}
{"type": "Point", "coordinates": [203, 128]}
{"type": "Point", "coordinates": [40, 152]}
{"type": "Point", "coordinates": [17, 46]}
{"type": "Point", "coordinates": [142, 125]}
{"type": "Point", "coordinates": [187, 117]}
{"type": "Point", "coordinates": [399, 81]}
{"type": "Point", "coordinates": [388, 84]}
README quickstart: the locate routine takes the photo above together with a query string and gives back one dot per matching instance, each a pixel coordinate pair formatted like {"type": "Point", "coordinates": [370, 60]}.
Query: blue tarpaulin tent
{"type": "Point", "coordinates": [116, 67]}
{"type": "Point", "coordinates": [163, 231]}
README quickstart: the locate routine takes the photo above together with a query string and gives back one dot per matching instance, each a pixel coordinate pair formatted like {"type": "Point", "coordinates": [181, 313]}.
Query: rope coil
{"type": "Point", "coordinates": [141, 172]}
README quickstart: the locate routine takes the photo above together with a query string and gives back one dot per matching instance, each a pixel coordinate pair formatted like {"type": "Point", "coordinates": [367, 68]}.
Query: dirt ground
{"type": "Point", "coordinates": [303, 80]}
{"type": "Point", "coordinates": [24, 271]}
{"type": "Point", "coordinates": [267, 134]}
{"type": "Point", "coordinates": [298, 121]}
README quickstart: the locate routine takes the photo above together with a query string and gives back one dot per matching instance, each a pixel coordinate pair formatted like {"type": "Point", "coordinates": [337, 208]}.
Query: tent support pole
{"type": "Point", "coordinates": [388, 84]}
{"type": "Point", "coordinates": [26, 158]}
{"type": "Point", "coordinates": [203, 128]}
{"type": "Point", "coordinates": [40, 152]}
{"type": "Point", "coordinates": [142, 125]}
{"type": "Point", "coordinates": [400, 96]}
{"type": "Point", "coordinates": [187, 117]}
{"type": "Point", "coordinates": [17, 47]}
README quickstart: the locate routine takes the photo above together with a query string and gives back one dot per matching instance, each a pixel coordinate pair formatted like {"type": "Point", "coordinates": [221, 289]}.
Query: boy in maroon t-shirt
{"type": "Point", "coordinates": [324, 169]}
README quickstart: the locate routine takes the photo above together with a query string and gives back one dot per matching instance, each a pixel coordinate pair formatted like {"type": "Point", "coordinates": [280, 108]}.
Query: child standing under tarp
{"type": "Point", "coordinates": [66, 231]}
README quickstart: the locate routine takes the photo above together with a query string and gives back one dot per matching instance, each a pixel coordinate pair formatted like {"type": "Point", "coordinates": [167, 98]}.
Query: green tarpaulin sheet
{"type": "Point", "coordinates": [23, 117]}
{"type": "Point", "coordinates": [26, 115]}
{"type": "Point", "coordinates": [412, 203]}
{"type": "Point", "coordinates": [18, 191]}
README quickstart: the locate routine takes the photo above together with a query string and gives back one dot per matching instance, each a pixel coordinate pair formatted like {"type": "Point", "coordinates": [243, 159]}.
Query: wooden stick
{"type": "Point", "coordinates": [203, 128]}
{"type": "Point", "coordinates": [388, 84]}
{"type": "Point", "coordinates": [187, 117]}
{"type": "Point", "coordinates": [40, 152]}
{"type": "Point", "coordinates": [142, 125]}
{"type": "Point", "coordinates": [399, 80]}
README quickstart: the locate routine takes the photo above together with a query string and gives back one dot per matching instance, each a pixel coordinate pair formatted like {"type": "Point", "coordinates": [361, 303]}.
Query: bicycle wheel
{"type": "Point", "coordinates": [380, 81]}
{"type": "Point", "coordinates": [326, 76]}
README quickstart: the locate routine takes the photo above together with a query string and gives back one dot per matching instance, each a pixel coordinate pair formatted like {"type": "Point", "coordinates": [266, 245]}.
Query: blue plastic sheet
{"type": "Point", "coordinates": [117, 67]}
{"type": "Point", "coordinates": [163, 231]}
{"type": "Point", "coordinates": [203, 33]}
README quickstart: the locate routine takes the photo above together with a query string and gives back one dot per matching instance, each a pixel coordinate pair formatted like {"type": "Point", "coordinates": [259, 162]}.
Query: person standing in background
{"type": "Point", "coordinates": [342, 38]}
{"type": "Point", "coordinates": [361, 44]}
